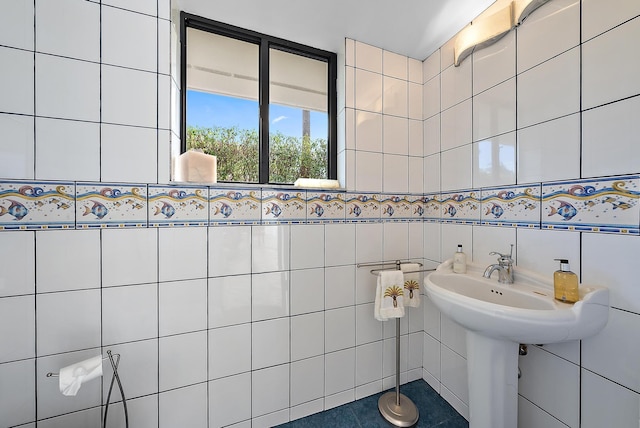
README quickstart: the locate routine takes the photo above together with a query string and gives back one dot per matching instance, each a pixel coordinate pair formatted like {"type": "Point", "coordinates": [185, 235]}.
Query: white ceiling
{"type": "Point", "coordinates": [415, 28]}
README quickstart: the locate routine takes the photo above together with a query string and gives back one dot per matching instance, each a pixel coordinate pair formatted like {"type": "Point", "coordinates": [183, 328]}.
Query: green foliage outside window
{"type": "Point", "coordinates": [236, 150]}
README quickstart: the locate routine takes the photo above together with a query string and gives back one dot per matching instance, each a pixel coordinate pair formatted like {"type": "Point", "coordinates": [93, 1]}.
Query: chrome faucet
{"type": "Point", "coordinates": [504, 267]}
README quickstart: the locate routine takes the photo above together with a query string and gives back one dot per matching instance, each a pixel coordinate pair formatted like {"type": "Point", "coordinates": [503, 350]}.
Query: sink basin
{"type": "Point", "coordinates": [497, 318]}
{"type": "Point", "coordinates": [523, 312]}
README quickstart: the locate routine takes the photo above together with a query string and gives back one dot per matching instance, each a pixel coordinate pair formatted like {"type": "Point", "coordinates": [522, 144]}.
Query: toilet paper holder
{"type": "Point", "coordinates": [116, 377]}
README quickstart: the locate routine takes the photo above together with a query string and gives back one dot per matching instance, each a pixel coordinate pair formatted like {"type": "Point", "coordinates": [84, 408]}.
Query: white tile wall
{"type": "Point", "coordinates": [16, 82]}
{"type": "Point", "coordinates": [16, 145]}
{"type": "Point", "coordinates": [18, 277]}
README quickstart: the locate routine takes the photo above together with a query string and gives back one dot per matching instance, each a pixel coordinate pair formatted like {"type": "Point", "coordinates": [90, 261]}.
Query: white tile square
{"type": "Point", "coordinates": [415, 70]}
{"type": "Point", "coordinates": [487, 239]}
{"type": "Point", "coordinates": [139, 33]}
{"type": "Point", "coordinates": [270, 248]}
{"type": "Point", "coordinates": [57, 140]}
{"type": "Point", "coordinates": [16, 81]}
{"type": "Point", "coordinates": [454, 375]}
{"type": "Point", "coordinates": [148, 7]}
{"type": "Point", "coordinates": [229, 351]}
{"type": "Point", "coordinates": [141, 147]}
{"type": "Point", "coordinates": [340, 244]}
{"type": "Point", "coordinates": [17, 251]}
{"type": "Point", "coordinates": [598, 17]}
{"type": "Point", "coordinates": [394, 65]}
{"type": "Point", "coordinates": [494, 111]}
{"type": "Point", "coordinates": [164, 102]}
{"type": "Point", "coordinates": [129, 97]}
{"type": "Point", "coordinates": [229, 250]}
{"type": "Point", "coordinates": [339, 372]}
{"type": "Point", "coordinates": [16, 146]}
{"type": "Point", "coordinates": [227, 400]}
{"type": "Point", "coordinates": [307, 380]}
{"type": "Point", "coordinates": [432, 179]}
{"type": "Point", "coordinates": [537, 249]}
{"type": "Point", "coordinates": [182, 253]}
{"type": "Point", "coordinates": [389, 359]}
{"type": "Point", "coordinates": [368, 91]}
{"type": "Point", "coordinates": [269, 390]}
{"type": "Point", "coordinates": [454, 235]}
{"type": "Point", "coordinates": [598, 257]}
{"type": "Point", "coordinates": [182, 306]}
{"type": "Point", "coordinates": [82, 249]}
{"type": "Point", "coordinates": [431, 132]}
{"type": "Point", "coordinates": [553, 29]}
{"type": "Point", "coordinates": [350, 52]}
{"type": "Point", "coordinates": [495, 63]}
{"type": "Point", "coordinates": [368, 329]}
{"type": "Point", "coordinates": [395, 241]}
{"type": "Point", "coordinates": [183, 407]}
{"type": "Point", "coordinates": [164, 46]}
{"type": "Point", "coordinates": [365, 286]}
{"type": "Point", "coordinates": [457, 168]}
{"type": "Point", "coordinates": [543, 372]}
{"type": "Point", "coordinates": [456, 84]}
{"type": "Point", "coordinates": [605, 403]}
{"type": "Point", "coordinates": [415, 101]}
{"type": "Point", "coordinates": [550, 150]}
{"type": "Point", "coordinates": [550, 90]}
{"type": "Point", "coordinates": [368, 242]}
{"type": "Point", "coordinates": [270, 343]}
{"type": "Point", "coordinates": [339, 286]}
{"type": "Point", "coordinates": [607, 352]}
{"type": "Point", "coordinates": [119, 247]}
{"type": "Point", "coordinates": [395, 135]}
{"type": "Point", "coordinates": [494, 161]}
{"type": "Point", "coordinates": [368, 363]}
{"type": "Point", "coordinates": [17, 328]}
{"type": "Point", "coordinates": [395, 96]}
{"type": "Point", "coordinates": [307, 336]}
{"type": "Point", "coordinates": [182, 360]}
{"type": "Point", "coordinates": [132, 313]}
{"type": "Point", "coordinates": [416, 240]}
{"type": "Point", "coordinates": [456, 126]}
{"type": "Point", "coordinates": [86, 419]}
{"type": "Point", "coordinates": [307, 292]}
{"type": "Point", "coordinates": [368, 57]}
{"type": "Point", "coordinates": [50, 402]}
{"type": "Point", "coordinates": [608, 139]}
{"type": "Point", "coordinates": [416, 141]}
{"type": "Point", "coordinates": [532, 416]}
{"type": "Point", "coordinates": [269, 295]}
{"type": "Point", "coordinates": [416, 175]}
{"type": "Point", "coordinates": [368, 176]}
{"type": "Point", "coordinates": [348, 129]}
{"type": "Point", "coordinates": [414, 354]}
{"type": "Point", "coordinates": [431, 66]}
{"type": "Point", "coordinates": [67, 88]}
{"type": "Point", "coordinates": [16, 25]}
{"type": "Point", "coordinates": [229, 300]}
{"type": "Point", "coordinates": [138, 365]}
{"type": "Point", "coordinates": [306, 409]}
{"type": "Point", "coordinates": [431, 356]}
{"type": "Point", "coordinates": [453, 336]}
{"type": "Point", "coordinates": [350, 87]}
{"type": "Point", "coordinates": [164, 156]}
{"type": "Point", "coordinates": [431, 98]}
{"type": "Point", "coordinates": [446, 54]}
{"type": "Point", "coordinates": [143, 412]}
{"type": "Point", "coordinates": [396, 173]}
{"type": "Point", "coordinates": [432, 241]}
{"type": "Point", "coordinates": [17, 389]}
{"type": "Point", "coordinates": [307, 246]}
{"type": "Point", "coordinates": [67, 321]}
{"type": "Point", "coordinates": [270, 420]}
{"type": "Point", "coordinates": [339, 329]}
{"type": "Point", "coordinates": [69, 28]}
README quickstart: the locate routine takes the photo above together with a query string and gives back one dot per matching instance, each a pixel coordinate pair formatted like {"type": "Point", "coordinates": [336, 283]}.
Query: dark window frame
{"type": "Point", "coordinates": [264, 43]}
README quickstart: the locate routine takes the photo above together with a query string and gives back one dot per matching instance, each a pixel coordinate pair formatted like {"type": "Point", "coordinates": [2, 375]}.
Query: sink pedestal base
{"type": "Point", "coordinates": [492, 366]}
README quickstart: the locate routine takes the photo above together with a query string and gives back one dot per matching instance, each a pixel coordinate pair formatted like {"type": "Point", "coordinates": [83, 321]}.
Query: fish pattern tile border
{"type": "Point", "coordinates": [604, 205]}
{"type": "Point", "coordinates": [517, 206]}
{"type": "Point", "coordinates": [28, 205]}
{"type": "Point", "coordinates": [608, 205]}
{"type": "Point", "coordinates": [178, 206]}
{"type": "Point", "coordinates": [102, 205]}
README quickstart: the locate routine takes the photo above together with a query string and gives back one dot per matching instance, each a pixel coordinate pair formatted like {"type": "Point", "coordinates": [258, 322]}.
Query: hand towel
{"type": "Point", "coordinates": [389, 292]}
{"type": "Point", "coordinates": [73, 376]}
{"type": "Point", "coordinates": [411, 284]}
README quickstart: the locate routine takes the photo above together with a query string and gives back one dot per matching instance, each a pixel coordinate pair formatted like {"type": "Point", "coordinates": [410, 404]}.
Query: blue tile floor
{"type": "Point", "coordinates": [434, 412]}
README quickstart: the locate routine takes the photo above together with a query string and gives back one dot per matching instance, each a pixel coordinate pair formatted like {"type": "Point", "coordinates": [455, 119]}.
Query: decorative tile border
{"type": "Point", "coordinates": [25, 205]}
{"type": "Point", "coordinates": [102, 205]}
{"type": "Point", "coordinates": [517, 206]}
{"type": "Point", "coordinates": [236, 206]}
{"type": "Point", "coordinates": [599, 205]}
{"type": "Point", "coordinates": [178, 206]}
{"type": "Point", "coordinates": [461, 207]}
{"type": "Point", "coordinates": [608, 204]}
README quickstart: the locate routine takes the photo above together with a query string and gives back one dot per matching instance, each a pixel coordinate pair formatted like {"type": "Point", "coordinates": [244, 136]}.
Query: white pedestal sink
{"type": "Point", "coordinates": [498, 317]}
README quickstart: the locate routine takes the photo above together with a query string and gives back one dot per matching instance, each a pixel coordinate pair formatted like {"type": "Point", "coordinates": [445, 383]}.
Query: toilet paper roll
{"type": "Point", "coordinates": [73, 376]}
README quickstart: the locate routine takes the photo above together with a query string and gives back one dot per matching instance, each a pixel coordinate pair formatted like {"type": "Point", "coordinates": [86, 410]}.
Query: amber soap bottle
{"type": "Point", "coordinates": [565, 283]}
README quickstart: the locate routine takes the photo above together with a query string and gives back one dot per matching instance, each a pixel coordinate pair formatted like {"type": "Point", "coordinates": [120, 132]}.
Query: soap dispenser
{"type": "Point", "coordinates": [565, 283]}
{"type": "Point", "coordinates": [459, 261]}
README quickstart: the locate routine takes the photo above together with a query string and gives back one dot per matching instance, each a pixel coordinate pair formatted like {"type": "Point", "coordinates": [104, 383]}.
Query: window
{"type": "Point", "coordinates": [265, 107]}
